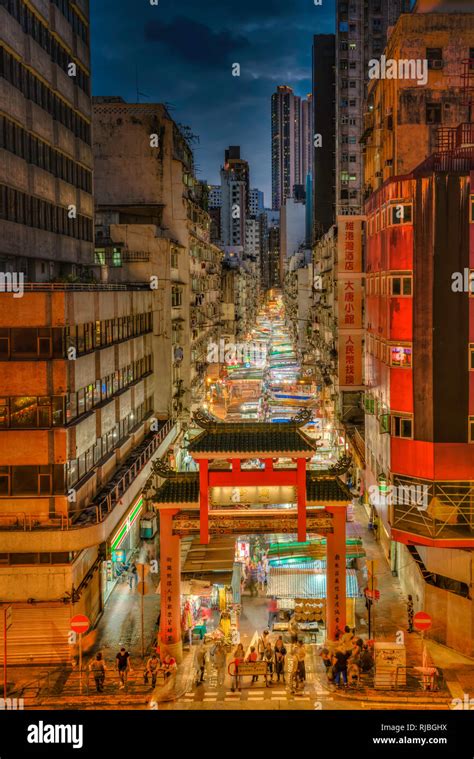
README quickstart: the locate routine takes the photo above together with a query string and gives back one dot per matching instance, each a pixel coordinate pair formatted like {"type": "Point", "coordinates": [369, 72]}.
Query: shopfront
{"type": "Point", "coordinates": [121, 547]}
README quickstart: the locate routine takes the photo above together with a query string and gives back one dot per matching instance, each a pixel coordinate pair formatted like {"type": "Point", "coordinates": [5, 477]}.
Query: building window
{"type": "Point", "coordinates": [433, 113]}
{"type": "Point", "coordinates": [401, 356]}
{"type": "Point", "coordinates": [174, 258]}
{"type": "Point", "coordinates": [369, 404]}
{"type": "Point", "coordinates": [434, 56]}
{"type": "Point", "coordinates": [471, 215]}
{"type": "Point", "coordinates": [400, 213]}
{"type": "Point", "coordinates": [176, 297]}
{"type": "Point", "coordinates": [402, 426]}
{"type": "Point", "coordinates": [471, 360]}
{"type": "Point", "coordinates": [471, 431]}
{"type": "Point", "coordinates": [401, 286]}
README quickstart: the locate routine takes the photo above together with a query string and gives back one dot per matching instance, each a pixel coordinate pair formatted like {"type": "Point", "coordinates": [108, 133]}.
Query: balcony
{"type": "Point", "coordinates": [91, 525]}
{"type": "Point", "coordinates": [445, 513]}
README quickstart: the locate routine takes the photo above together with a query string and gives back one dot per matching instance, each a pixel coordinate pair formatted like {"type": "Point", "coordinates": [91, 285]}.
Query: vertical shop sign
{"type": "Point", "coordinates": [169, 599]}
{"type": "Point", "coordinates": [349, 311]}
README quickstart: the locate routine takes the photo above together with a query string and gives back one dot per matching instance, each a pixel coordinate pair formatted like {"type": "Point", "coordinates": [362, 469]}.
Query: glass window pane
{"type": "Point", "coordinates": [24, 480]}
{"type": "Point", "coordinates": [24, 412]}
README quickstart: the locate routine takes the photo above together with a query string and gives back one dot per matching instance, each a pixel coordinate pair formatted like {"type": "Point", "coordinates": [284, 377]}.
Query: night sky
{"type": "Point", "coordinates": [184, 51]}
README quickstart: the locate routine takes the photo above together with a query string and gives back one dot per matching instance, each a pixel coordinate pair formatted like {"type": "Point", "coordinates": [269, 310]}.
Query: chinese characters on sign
{"type": "Point", "coordinates": [169, 599]}
{"type": "Point", "coordinates": [350, 300]}
{"type": "Point", "coordinates": [337, 589]}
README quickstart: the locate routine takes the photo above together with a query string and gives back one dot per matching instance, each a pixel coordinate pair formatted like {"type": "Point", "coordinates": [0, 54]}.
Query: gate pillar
{"type": "Point", "coordinates": [336, 573]}
{"type": "Point", "coordinates": [170, 573]}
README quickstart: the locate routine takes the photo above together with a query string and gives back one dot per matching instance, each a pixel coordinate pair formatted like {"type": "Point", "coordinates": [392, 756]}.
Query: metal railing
{"type": "Point", "coordinates": [447, 509]}
{"type": "Point", "coordinates": [104, 503]}
{"type": "Point", "coordinates": [83, 286]}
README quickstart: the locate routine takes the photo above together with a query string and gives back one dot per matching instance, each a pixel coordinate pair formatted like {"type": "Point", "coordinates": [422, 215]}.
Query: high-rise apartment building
{"type": "Point", "coordinates": [79, 421]}
{"type": "Point", "coordinates": [324, 115]}
{"type": "Point", "coordinates": [307, 137]}
{"type": "Point", "coordinates": [419, 405]}
{"type": "Point", "coordinates": [235, 191]}
{"type": "Point", "coordinates": [256, 202]}
{"type": "Point", "coordinates": [286, 144]}
{"type": "Point", "coordinates": [165, 211]}
{"type": "Point", "coordinates": [409, 117]}
{"type": "Point", "coordinates": [360, 37]}
{"type": "Point", "coordinates": [46, 217]}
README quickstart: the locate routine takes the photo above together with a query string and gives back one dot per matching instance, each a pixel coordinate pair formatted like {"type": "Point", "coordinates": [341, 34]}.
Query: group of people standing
{"type": "Point", "coordinates": [255, 574]}
{"type": "Point", "coordinates": [123, 666]}
{"type": "Point", "coordinates": [352, 658]}
{"type": "Point", "coordinates": [280, 662]}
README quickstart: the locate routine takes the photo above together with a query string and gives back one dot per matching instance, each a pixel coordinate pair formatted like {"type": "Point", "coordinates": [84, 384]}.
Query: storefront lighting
{"type": "Point", "coordinates": [122, 533]}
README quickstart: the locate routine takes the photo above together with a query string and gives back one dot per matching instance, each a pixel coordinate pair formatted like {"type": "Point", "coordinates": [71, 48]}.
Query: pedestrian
{"type": "Point", "coordinates": [239, 657]}
{"type": "Point", "coordinates": [293, 629]}
{"type": "Point", "coordinates": [169, 666]}
{"type": "Point", "coordinates": [280, 654]}
{"type": "Point", "coordinates": [366, 661]}
{"type": "Point", "coordinates": [132, 576]}
{"type": "Point", "coordinates": [345, 641]}
{"type": "Point", "coordinates": [252, 580]}
{"type": "Point", "coordinates": [252, 658]}
{"type": "Point", "coordinates": [272, 612]}
{"type": "Point", "coordinates": [219, 663]}
{"type": "Point", "coordinates": [124, 666]}
{"type": "Point", "coordinates": [268, 659]}
{"type": "Point", "coordinates": [152, 666]}
{"type": "Point", "coordinates": [200, 663]}
{"type": "Point", "coordinates": [354, 666]}
{"type": "Point", "coordinates": [301, 656]}
{"type": "Point", "coordinates": [260, 576]}
{"type": "Point", "coordinates": [262, 643]}
{"type": "Point", "coordinates": [410, 612]}
{"type": "Point", "coordinates": [339, 669]}
{"type": "Point", "coordinates": [326, 658]}
{"type": "Point", "coordinates": [97, 667]}
{"type": "Point", "coordinates": [292, 669]}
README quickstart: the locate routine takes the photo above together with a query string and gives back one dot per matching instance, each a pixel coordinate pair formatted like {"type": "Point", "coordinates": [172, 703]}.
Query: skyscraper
{"type": "Point", "coordinates": [324, 127]}
{"type": "Point", "coordinates": [46, 224]}
{"type": "Point", "coordinates": [306, 142]}
{"type": "Point", "coordinates": [360, 37]}
{"type": "Point", "coordinates": [235, 198]}
{"type": "Point", "coordinates": [286, 144]}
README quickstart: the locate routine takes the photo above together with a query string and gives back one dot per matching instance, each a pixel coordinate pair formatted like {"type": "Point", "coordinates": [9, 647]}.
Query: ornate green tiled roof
{"type": "Point", "coordinates": [179, 489]}
{"type": "Point", "coordinates": [326, 488]}
{"type": "Point", "coordinates": [184, 488]}
{"type": "Point", "coordinates": [252, 438]}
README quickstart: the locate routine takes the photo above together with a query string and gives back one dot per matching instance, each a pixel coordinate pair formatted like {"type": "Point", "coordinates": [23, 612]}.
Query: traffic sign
{"type": "Point", "coordinates": [80, 623]}
{"type": "Point", "coordinates": [422, 620]}
{"type": "Point", "coordinates": [372, 594]}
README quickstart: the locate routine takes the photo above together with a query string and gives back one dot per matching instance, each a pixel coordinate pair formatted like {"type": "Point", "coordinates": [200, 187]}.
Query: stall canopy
{"type": "Point", "coordinates": [305, 580]}
{"type": "Point", "coordinates": [213, 562]}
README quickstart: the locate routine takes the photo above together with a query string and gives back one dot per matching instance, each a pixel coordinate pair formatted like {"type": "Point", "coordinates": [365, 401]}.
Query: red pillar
{"type": "Point", "coordinates": [301, 490]}
{"type": "Point", "coordinates": [170, 572]}
{"type": "Point", "coordinates": [336, 573]}
{"type": "Point", "coordinates": [268, 465]}
{"type": "Point", "coordinates": [204, 500]}
{"type": "Point", "coordinates": [236, 465]}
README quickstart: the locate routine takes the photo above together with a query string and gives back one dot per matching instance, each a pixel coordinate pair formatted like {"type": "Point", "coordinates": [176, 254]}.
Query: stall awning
{"type": "Point", "coordinates": [303, 581]}
{"type": "Point", "coordinates": [213, 562]}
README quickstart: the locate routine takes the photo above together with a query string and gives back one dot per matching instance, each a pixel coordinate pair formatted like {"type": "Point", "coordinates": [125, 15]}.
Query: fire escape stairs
{"type": "Point", "coordinates": [428, 576]}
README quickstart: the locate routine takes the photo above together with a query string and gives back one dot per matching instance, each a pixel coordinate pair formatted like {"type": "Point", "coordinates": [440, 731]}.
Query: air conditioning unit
{"type": "Point", "coordinates": [438, 64]}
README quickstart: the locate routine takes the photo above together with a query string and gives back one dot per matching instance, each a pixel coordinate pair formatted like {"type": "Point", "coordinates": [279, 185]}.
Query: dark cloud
{"type": "Point", "coordinates": [183, 55]}
{"type": "Point", "coordinates": [195, 42]}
